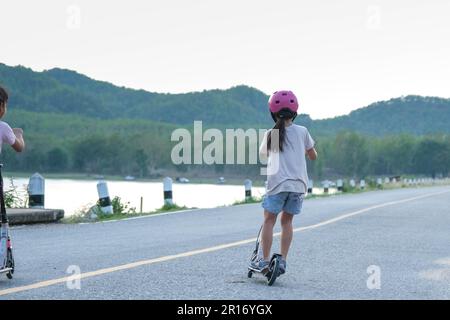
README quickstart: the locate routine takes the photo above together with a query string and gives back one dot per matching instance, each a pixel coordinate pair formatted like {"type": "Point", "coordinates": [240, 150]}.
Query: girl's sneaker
{"type": "Point", "coordinates": [260, 265]}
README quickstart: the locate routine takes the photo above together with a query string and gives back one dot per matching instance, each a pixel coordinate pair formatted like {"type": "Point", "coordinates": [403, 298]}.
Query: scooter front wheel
{"type": "Point", "coordinates": [10, 264]}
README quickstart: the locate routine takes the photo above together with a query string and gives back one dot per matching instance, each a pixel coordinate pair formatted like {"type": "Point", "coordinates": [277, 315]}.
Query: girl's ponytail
{"type": "Point", "coordinates": [280, 125]}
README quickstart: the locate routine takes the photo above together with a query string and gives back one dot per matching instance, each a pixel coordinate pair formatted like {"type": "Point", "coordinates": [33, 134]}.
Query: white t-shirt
{"type": "Point", "coordinates": [287, 170]}
{"type": "Point", "coordinates": [6, 135]}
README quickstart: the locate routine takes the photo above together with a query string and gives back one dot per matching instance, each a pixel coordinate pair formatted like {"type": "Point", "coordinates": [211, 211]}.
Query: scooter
{"type": "Point", "coordinates": [273, 271]}
{"type": "Point", "coordinates": [6, 254]}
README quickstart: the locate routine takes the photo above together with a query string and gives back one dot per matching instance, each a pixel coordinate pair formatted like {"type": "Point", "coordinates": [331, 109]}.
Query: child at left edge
{"type": "Point", "coordinates": [13, 137]}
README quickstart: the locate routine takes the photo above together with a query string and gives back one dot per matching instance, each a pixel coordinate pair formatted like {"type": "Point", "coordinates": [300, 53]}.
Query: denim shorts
{"type": "Point", "coordinates": [289, 202]}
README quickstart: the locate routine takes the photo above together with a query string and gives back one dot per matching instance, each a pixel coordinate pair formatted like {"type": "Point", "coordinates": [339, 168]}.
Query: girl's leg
{"type": "Point", "coordinates": [286, 233]}
{"type": "Point", "coordinates": [267, 233]}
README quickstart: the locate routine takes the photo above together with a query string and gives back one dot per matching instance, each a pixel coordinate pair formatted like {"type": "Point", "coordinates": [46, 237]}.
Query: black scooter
{"type": "Point", "coordinates": [273, 271]}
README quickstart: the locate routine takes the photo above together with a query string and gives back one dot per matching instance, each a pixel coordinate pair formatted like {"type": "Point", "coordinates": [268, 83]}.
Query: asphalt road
{"type": "Point", "coordinates": [203, 254]}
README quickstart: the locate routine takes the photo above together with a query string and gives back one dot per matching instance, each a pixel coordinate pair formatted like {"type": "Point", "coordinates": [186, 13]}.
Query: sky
{"type": "Point", "coordinates": [336, 56]}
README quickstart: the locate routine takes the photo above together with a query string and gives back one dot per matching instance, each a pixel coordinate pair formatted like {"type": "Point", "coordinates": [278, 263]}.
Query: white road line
{"type": "Point", "coordinates": [127, 266]}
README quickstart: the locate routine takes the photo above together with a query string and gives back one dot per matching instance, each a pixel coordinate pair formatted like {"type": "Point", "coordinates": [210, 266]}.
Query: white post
{"type": "Point", "coordinates": [352, 183]}
{"type": "Point", "coordinates": [36, 191]}
{"type": "Point", "coordinates": [326, 186]}
{"type": "Point", "coordinates": [103, 198]}
{"type": "Point", "coordinates": [248, 189]}
{"type": "Point", "coordinates": [362, 184]}
{"type": "Point", "coordinates": [379, 183]}
{"type": "Point", "coordinates": [168, 195]}
{"type": "Point", "coordinates": [340, 185]}
{"type": "Point", "coordinates": [386, 180]}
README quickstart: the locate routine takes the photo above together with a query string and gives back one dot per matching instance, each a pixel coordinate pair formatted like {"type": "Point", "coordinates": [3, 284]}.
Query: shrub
{"type": "Point", "coordinates": [14, 198]}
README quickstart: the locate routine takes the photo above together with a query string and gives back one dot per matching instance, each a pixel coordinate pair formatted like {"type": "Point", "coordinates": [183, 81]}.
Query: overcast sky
{"type": "Point", "coordinates": [335, 55]}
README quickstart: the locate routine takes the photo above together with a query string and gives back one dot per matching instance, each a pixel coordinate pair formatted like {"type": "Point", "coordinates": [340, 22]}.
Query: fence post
{"type": "Point", "coordinates": [103, 197]}
{"type": "Point", "coordinates": [36, 191]}
{"type": "Point", "coordinates": [379, 183]}
{"type": "Point", "coordinates": [352, 183]}
{"type": "Point", "coordinates": [362, 184]}
{"type": "Point", "coordinates": [168, 195]}
{"type": "Point", "coordinates": [340, 185]}
{"type": "Point", "coordinates": [326, 186]}
{"type": "Point", "coordinates": [248, 189]}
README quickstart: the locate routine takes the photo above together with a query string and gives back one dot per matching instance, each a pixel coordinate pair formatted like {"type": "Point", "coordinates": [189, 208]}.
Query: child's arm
{"type": "Point", "coordinates": [19, 144]}
{"type": "Point", "coordinates": [310, 146]}
{"type": "Point", "coordinates": [312, 154]}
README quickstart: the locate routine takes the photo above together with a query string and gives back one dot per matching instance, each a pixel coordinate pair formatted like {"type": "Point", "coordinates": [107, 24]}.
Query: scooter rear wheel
{"type": "Point", "coordinates": [274, 271]}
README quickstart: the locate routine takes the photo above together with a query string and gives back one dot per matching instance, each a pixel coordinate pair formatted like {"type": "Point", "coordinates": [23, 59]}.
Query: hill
{"type": "Point", "coordinates": [68, 92]}
{"type": "Point", "coordinates": [76, 124]}
{"type": "Point", "coordinates": [411, 114]}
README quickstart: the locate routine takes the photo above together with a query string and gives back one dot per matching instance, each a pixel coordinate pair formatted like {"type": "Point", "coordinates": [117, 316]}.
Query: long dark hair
{"type": "Point", "coordinates": [280, 125]}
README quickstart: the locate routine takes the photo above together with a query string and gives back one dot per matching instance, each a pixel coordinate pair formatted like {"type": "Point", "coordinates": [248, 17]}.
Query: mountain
{"type": "Point", "coordinates": [73, 123]}
{"type": "Point", "coordinates": [66, 92]}
{"type": "Point", "coordinates": [411, 114]}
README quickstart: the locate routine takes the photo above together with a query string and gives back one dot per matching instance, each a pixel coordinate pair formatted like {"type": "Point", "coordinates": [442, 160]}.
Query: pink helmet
{"type": "Point", "coordinates": [283, 99]}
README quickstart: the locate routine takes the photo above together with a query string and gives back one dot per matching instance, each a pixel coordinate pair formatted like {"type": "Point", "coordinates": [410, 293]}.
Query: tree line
{"type": "Point", "coordinates": [147, 155]}
{"type": "Point", "coordinates": [68, 93]}
{"type": "Point", "coordinates": [354, 155]}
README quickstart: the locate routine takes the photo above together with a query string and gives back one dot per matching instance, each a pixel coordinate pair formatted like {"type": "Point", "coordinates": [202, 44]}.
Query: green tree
{"type": "Point", "coordinates": [89, 154]}
{"type": "Point", "coordinates": [57, 160]}
{"type": "Point", "coordinates": [142, 162]}
{"type": "Point", "coordinates": [350, 154]}
{"type": "Point", "coordinates": [432, 157]}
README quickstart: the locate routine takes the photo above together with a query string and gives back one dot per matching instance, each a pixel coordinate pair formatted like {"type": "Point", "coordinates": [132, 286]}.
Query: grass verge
{"type": "Point", "coordinates": [86, 216]}
{"type": "Point", "coordinates": [247, 201]}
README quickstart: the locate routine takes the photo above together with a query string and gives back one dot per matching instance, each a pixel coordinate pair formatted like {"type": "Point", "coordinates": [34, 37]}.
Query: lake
{"type": "Point", "coordinates": [74, 195]}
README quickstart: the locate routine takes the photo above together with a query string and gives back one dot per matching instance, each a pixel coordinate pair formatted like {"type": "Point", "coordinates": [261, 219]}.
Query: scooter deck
{"type": "Point", "coordinates": [5, 270]}
{"type": "Point", "coordinates": [263, 272]}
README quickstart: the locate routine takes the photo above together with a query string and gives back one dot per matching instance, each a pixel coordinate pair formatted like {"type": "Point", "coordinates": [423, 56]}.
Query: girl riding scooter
{"type": "Point", "coordinates": [287, 178]}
